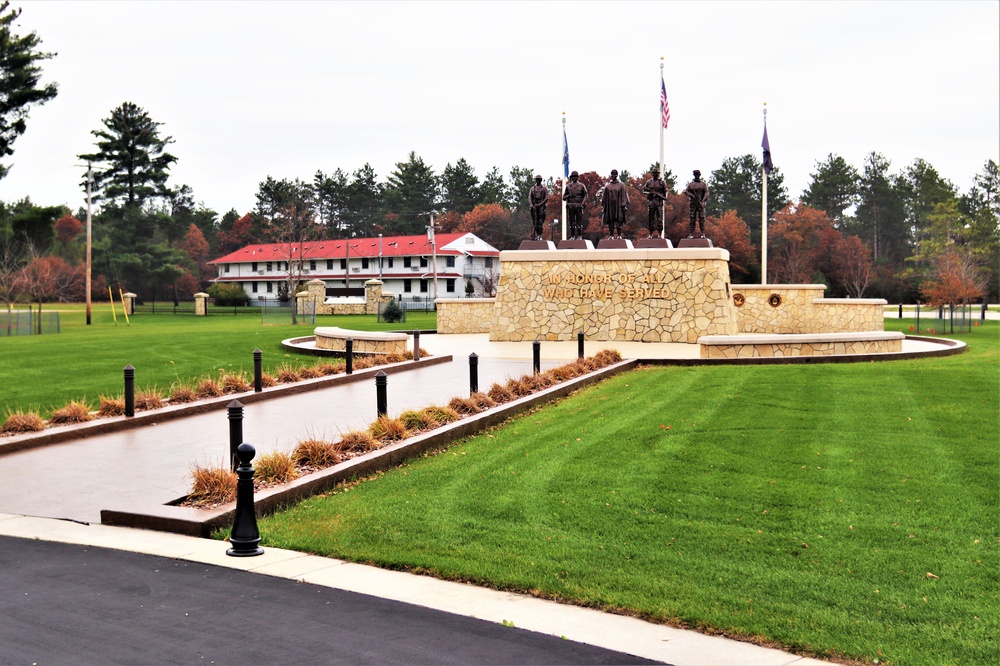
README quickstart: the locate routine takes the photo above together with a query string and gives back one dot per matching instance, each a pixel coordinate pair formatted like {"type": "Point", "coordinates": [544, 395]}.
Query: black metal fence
{"type": "Point", "coordinates": [418, 303]}
{"type": "Point", "coordinates": [28, 322]}
{"type": "Point", "coordinates": [281, 312]}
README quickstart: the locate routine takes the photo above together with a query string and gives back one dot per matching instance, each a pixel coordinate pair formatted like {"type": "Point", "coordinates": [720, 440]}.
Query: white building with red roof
{"type": "Point", "coordinates": [404, 264]}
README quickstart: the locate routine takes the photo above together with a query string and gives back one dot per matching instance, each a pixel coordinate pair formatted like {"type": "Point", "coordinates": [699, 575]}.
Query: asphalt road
{"type": "Point", "coordinates": [69, 604]}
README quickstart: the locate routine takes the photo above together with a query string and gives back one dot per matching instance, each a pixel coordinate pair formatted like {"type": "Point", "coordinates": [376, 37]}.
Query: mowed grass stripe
{"type": "Point", "coordinates": [784, 512]}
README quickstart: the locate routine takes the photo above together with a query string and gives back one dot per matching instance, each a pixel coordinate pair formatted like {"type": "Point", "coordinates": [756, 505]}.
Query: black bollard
{"type": "Point", "coordinates": [536, 356]}
{"type": "Point", "coordinates": [349, 356]}
{"type": "Point", "coordinates": [982, 313]}
{"type": "Point", "coordinates": [245, 537]}
{"type": "Point", "coordinates": [473, 373]}
{"type": "Point", "coordinates": [918, 317]}
{"type": "Point", "coordinates": [129, 372]}
{"type": "Point", "coordinates": [382, 402]}
{"type": "Point", "coordinates": [416, 345]}
{"type": "Point", "coordinates": [258, 370]}
{"type": "Point", "coordinates": [900, 310]}
{"type": "Point", "coordinates": [579, 344]}
{"type": "Point", "coordinates": [235, 411]}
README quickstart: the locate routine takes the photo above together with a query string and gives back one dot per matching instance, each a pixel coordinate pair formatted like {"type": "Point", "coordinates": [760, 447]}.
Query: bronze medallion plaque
{"type": "Point", "coordinates": [739, 300]}
{"type": "Point", "coordinates": [774, 300]}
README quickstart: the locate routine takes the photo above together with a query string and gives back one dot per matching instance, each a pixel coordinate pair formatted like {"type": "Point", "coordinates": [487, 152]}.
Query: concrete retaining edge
{"type": "Point", "coordinates": [201, 522]}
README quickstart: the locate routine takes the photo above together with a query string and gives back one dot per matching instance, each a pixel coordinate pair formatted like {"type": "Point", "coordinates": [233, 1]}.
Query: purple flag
{"type": "Point", "coordinates": [767, 152]}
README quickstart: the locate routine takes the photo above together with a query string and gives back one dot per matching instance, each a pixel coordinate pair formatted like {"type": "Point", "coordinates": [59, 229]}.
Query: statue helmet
{"type": "Point", "coordinates": [614, 172]}
{"type": "Point", "coordinates": [697, 174]}
{"type": "Point", "coordinates": [574, 175]}
{"type": "Point", "coordinates": [537, 177]}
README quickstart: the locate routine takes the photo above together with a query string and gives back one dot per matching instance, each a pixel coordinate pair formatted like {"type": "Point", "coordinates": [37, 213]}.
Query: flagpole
{"type": "Point", "coordinates": [763, 214]}
{"type": "Point", "coordinates": [663, 204]}
{"type": "Point", "coordinates": [565, 176]}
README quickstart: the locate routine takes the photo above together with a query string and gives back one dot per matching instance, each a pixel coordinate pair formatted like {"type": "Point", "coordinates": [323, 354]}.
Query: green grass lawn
{"type": "Point", "coordinates": [44, 372]}
{"type": "Point", "coordinates": [838, 510]}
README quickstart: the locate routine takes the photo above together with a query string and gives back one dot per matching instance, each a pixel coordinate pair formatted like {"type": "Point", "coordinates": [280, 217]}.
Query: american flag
{"type": "Point", "coordinates": [664, 106]}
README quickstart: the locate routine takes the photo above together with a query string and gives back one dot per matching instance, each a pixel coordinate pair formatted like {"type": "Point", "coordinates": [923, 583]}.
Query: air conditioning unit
{"type": "Point", "coordinates": [355, 270]}
{"type": "Point", "coordinates": [260, 272]}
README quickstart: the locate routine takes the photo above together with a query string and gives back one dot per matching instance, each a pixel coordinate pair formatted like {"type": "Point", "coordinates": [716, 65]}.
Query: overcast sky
{"type": "Point", "coordinates": [251, 89]}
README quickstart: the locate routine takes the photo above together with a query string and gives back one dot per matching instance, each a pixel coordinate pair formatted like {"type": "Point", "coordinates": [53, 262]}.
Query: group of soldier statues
{"type": "Point", "coordinates": [614, 203]}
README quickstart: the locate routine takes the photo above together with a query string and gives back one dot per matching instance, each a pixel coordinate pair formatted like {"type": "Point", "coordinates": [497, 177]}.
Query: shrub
{"type": "Point", "coordinates": [329, 368]}
{"type": "Point", "coordinates": [395, 358]}
{"type": "Point", "coordinates": [538, 381]}
{"type": "Point", "coordinates": [562, 373]}
{"type": "Point", "coordinates": [179, 394]}
{"type": "Point", "coordinates": [234, 382]}
{"type": "Point", "coordinates": [209, 388]}
{"type": "Point", "coordinates": [608, 356]}
{"type": "Point", "coordinates": [23, 422]}
{"type": "Point", "coordinates": [228, 294]}
{"type": "Point", "coordinates": [74, 412]}
{"type": "Point", "coordinates": [212, 485]}
{"type": "Point", "coordinates": [275, 467]}
{"type": "Point", "coordinates": [392, 313]}
{"type": "Point", "coordinates": [441, 414]}
{"type": "Point", "coordinates": [150, 399]}
{"type": "Point", "coordinates": [418, 421]}
{"type": "Point", "coordinates": [317, 453]}
{"type": "Point", "coordinates": [359, 441]}
{"type": "Point", "coordinates": [482, 401]}
{"type": "Point", "coordinates": [363, 362]}
{"type": "Point", "coordinates": [386, 429]}
{"type": "Point", "coordinates": [111, 406]}
{"type": "Point", "coordinates": [464, 406]}
{"type": "Point", "coordinates": [501, 393]}
{"type": "Point", "coordinates": [267, 380]}
{"type": "Point", "coordinates": [309, 372]}
{"type": "Point", "coordinates": [518, 386]}
{"type": "Point", "coordinates": [288, 374]}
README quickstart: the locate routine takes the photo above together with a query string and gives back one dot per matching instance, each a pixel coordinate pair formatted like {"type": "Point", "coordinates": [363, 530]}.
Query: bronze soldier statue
{"type": "Point", "coordinates": [655, 190]}
{"type": "Point", "coordinates": [615, 203]}
{"type": "Point", "coordinates": [538, 197]}
{"type": "Point", "coordinates": [697, 193]}
{"type": "Point", "coordinates": [575, 197]}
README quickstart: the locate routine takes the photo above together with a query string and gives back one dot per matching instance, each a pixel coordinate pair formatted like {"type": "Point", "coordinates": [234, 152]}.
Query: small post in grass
{"type": "Point", "coordinates": [129, 373]}
{"type": "Point", "coordinates": [416, 345]}
{"type": "Point", "coordinates": [900, 310]}
{"type": "Point", "coordinates": [349, 356]}
{"type": "Point", "coordinates": [258, 371]}
{"type": "Point", "coordinates": [473, 373]}
{"type": "Point", "coordinates": [381, 400]}
{"type": "Point", "coordinates": [536, 357]}
{"type": "Point", "coordinates": [244, 537]}
{"type": "Point", "coordinates": [235, 411]}
{"type": "Point", "coordinates": [579, 344]}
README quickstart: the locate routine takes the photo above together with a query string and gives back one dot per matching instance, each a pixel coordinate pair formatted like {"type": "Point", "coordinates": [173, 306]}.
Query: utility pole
{"type": "Point", "coordinates": [434, 261]}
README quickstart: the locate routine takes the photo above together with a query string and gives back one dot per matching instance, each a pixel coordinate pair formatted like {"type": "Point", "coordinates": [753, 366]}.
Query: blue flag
{"type": "Point", "coordinates": [767, 152]}
{"type": "Point", "coordinates": [565, 153]}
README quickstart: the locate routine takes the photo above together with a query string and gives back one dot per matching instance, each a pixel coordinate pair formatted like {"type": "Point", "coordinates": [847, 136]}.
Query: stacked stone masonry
{"type": "Point", "coordinates": [333, 338]}
{"type": "Point", "coordinates": [628, 295]}
{"type": "Point", "coordinates": [802, 309]}
{"type": "Point", "coordinates": [749, 350]}
{"type": "Point", "coordinates": [464, 315]}
{"type": "Point", "coordinates": [313, 299]}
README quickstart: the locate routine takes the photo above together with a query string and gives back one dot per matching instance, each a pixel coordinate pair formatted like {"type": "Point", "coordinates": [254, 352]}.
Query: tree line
{"type": "Point", "coordinates": [863, 230]}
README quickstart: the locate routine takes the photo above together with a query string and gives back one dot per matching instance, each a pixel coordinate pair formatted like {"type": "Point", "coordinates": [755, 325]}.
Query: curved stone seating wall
{"type": "Point", "coordinates": [464, 315]}
{"type": "Point", "coordinates": [800, 344]}
{"type": "Point", "coordinates": [802, 309]}
{"type": "Point", "coordinates": [652, 295]}
{"type": "Point", "coordinates": [334, 338]}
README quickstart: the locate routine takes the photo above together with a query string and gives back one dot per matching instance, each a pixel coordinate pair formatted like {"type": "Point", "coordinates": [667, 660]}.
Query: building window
{"type": "Point", "coordinates": [270, 287]}
{"type": "Point", "coordinates": [253, 266]}
{"type": "Point", "coordinates": [329, 264]}
{"type": "Point", "coordinates": [390, 262]}
{"type": "Point", "coordinates": [423, 286]}
{"type": "Point", "coordinates": [364, 262]}
{"type": "Point", "coordinates": [407, 262]}
{"type": "Point", "coordinates": [226, 268]}
{"type": "Point", "coordinates": [268, 268]}
{"type": "Point", "coordinates": [407, 286]}
{"type": "Point", "coordinates": [253, 286]}
{"type": "Point", "coordinates": [423, 262]}
{"type": "Point", "coordinates": [449, 262]}
{"type": "Point", "coordinates": [489, 262]}
{"type": "Point", "coordinates": [449, 285]}
{"type": "Point", "coordinates": [312, 264]}
{"type": "Point", "coordinates": [343, 264]}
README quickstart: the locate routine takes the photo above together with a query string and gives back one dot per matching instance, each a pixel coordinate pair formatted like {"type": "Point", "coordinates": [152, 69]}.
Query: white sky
{"type": "Point", "coordinates": [250, 89]}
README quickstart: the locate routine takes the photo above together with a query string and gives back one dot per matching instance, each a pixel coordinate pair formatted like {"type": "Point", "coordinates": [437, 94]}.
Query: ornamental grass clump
{"type": "Point", "coordinates": [395, 358]}
{"type": "Point", "coordinates": [464, 406]}
{"type": "Point", "coordinates": [518, 387]}
{"type": "Point", "coordinates": [23, 422]}
{"type": "Point", "coordinates": [76, 411]}
{"type": "Point", "coordinates": [209, 388]}
{"type": "Point", "coordinates": [608, 356]}
{"type": "Point", "coordinates": [309, 372]}
{"type": "Point", "coordinates": [363, 362]}
{"type": "Point", "coordinates": [359, 441]}
{"type": "Point", "coordinates": [386, 429]}
{"type": "Point", "coordinates": [181, 394]}
{"type": "Point", "coordinates": [482, 401]}
{"type": "Point", "coordinates": [538, 381]}
{"type": "Point", "coordinates": [234, 382]}
{"type": "Point", "coordinates": [149, 399]}
{"type": "Point", "coordinates": [275, 467]}
{"type": "Point", "coordinates": [212, 485]}
{"type": "Point", "coordinates": [441, 414]}
{"type": "Point", "coordinates": [329, 368]}
{"type": "Point", "coordinates": [111, 406]}
{"type": "Point", "coordinates": [562, 373]}
{"type": "Point", "coordinates": [500, 393]}
{"type": "Point", "coordinates": [418, 421]}
{"type": "Point", "coordinates": [267, 381]}
{"type": "Point", "coordinates": [318, 453]}
{"type": "Point", "coordinates": [288, 374]}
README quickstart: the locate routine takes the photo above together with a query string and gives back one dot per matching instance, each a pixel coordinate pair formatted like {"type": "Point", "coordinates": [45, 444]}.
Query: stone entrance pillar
{"type": "Point", "coordinates": [201, 304]}
{"type": "Point", "coordinates": [373, 296]}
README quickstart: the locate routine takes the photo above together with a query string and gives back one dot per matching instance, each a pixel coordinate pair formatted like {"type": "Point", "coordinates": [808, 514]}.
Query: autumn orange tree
{"type": "Point", "coordinates": [852, 265]}
{"type": "Point", "coordinates": [730, 232]}
{"type": "Point", "coordinates": [955, 279]}
{"type": "Point", "coordinates": [800, 245]}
